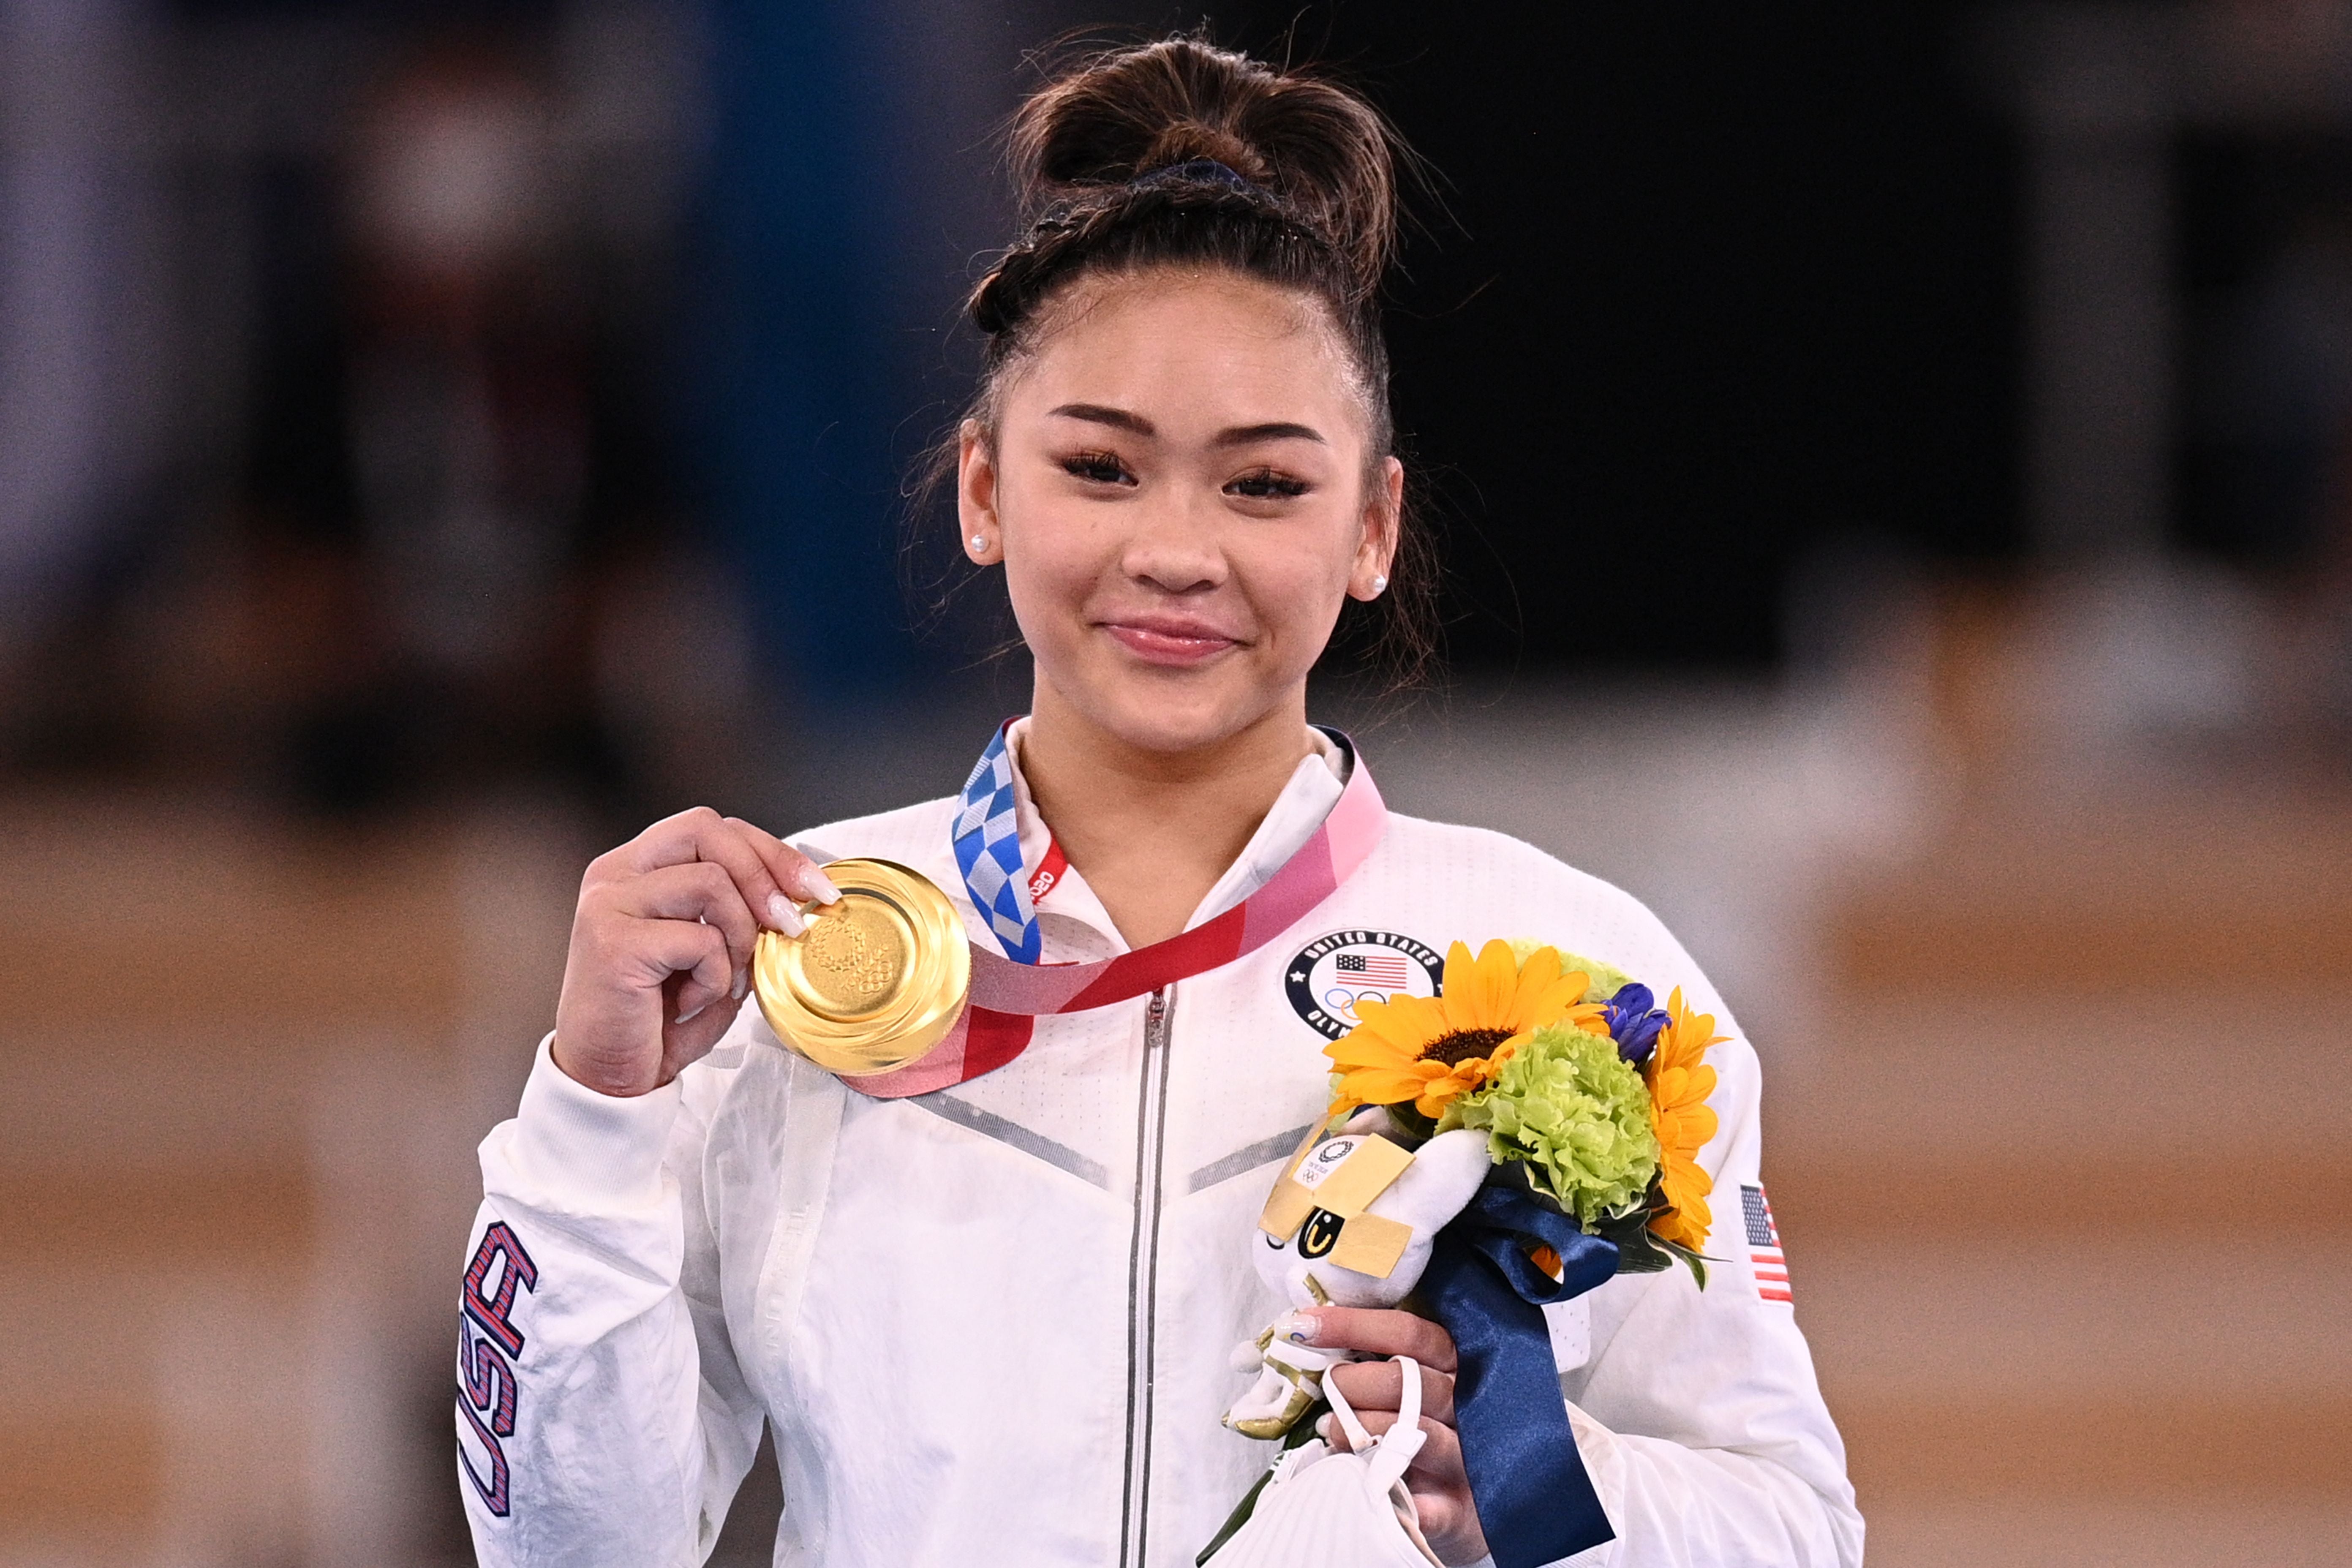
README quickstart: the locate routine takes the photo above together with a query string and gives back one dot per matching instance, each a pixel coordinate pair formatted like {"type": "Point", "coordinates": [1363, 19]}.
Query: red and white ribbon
{"type": "Point", "coordinates": [1007, 997]}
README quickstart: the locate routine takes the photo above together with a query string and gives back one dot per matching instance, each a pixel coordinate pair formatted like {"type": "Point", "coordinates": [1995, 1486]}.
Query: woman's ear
{"type": "Point", "coordinates": [976, 516]}
{"type": "Point", "coordinates": [1383, 518]}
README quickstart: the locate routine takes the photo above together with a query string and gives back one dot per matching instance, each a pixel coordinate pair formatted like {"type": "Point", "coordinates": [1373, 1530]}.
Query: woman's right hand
{"type": "Point", "coordinates": [661, 945]}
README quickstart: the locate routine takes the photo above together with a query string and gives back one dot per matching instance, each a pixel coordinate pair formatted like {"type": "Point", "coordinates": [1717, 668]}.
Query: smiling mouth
{"type": "Point", "coordinates": [1171, 643]}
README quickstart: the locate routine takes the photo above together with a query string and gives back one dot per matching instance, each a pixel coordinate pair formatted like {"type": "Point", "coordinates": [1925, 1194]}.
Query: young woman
{"type": "Point", "coordinates": [992, 1322]}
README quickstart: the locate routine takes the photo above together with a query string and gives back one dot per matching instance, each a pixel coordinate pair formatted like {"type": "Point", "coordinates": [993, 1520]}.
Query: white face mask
{"type": "Point", "coordinates": [1322, 1507]}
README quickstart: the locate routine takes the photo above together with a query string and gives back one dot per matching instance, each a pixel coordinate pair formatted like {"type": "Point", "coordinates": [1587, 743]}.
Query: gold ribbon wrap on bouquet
{"type": "Point", "coordinates": [876, 980]}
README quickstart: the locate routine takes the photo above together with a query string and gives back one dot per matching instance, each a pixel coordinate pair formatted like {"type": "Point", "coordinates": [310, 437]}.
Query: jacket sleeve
{"type": "Point", "coordinates": [601, 1417]}
{"type": "Point", "coordinates": [1698, 1415]}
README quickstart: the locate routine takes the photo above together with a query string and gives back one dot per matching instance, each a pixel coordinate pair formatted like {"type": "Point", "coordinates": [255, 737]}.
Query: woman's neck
{"type": "Point", "coordinates": [1152, 831]}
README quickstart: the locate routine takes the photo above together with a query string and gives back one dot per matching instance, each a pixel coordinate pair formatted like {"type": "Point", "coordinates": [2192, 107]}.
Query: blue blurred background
{"type": "Point", "coordinates": [1893, 469]}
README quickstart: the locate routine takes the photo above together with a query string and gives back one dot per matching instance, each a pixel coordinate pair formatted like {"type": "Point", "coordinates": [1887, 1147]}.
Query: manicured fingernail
{"type": "Point", "coordinates": [691, 1013]}
{"type": "Point", "coordinates": [783, 916]}
{"type": "Point", "coordinates": [1298, 1328]}
{"type": "Point", "coordinates": [1324, 1428]}
{"type": "Point", "coordinates": [819, 886]}
{"type": "Point", "coordinates": [742, 983]}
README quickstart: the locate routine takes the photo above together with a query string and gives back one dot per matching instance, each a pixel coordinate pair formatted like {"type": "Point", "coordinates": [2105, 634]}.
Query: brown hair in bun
{"type": "Point", "coordinates": [1319, 151]}
{"type": "Point", "coordinates": [1180, 154]}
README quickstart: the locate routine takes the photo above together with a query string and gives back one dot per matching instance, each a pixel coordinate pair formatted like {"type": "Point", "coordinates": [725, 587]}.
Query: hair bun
{"type": "Point", "coordinates": [1315, 147]}
{"type": "Point", "coordinates": [1189, 141]}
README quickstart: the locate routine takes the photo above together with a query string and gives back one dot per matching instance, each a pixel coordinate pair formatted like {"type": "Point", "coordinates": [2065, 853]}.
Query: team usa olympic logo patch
{"type": "Point", "coordinates": [1332, 974]}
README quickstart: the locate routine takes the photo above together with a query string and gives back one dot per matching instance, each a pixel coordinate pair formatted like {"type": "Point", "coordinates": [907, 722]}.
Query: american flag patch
{"type": "Point", "coordinates": [1764, 1254]}
{"type": "Point", "coordinates": [1371, 969]}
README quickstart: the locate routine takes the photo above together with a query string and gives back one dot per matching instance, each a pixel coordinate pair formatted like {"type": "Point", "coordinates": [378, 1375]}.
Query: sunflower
{"type": "Point", "coordinates": [1428, 1050]}
{"type": "Point", "coordinates": [1679, 1085]}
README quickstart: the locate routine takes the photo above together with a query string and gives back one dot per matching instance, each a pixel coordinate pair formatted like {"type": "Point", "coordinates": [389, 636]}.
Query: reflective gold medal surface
{"type": "Point", "coordinates": [875, 981]}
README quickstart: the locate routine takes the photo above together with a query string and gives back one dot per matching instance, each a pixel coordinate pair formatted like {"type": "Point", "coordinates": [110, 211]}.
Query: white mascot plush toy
{"type": "Point", "coordinates": [1351, 1225]}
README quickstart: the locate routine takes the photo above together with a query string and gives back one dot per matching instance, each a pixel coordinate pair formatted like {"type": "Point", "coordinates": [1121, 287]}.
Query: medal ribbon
{"type": "Point", "coordinates": [987, 838]}
{"type": "Point", "coordinates": [1009, 992]}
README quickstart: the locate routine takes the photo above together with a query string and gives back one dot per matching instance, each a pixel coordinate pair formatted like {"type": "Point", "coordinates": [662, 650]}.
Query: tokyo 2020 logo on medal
{"type": "Point", "coordinates": [1332, 974]}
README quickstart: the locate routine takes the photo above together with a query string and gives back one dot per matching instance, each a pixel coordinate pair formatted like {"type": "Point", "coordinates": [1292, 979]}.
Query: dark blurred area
{"type": "Point", "coordinates": [1704, 289]}
{"type": "Point", "coordinates": [408, 396]}
{"type": "Point", "coordinates": [1893, 468]}
{"type": "Point", "coordinates": [434, 395]}
{"type": "Point", "coordinates": [350, 335]}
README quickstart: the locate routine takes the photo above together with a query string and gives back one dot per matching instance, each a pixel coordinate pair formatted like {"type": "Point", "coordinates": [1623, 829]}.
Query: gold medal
{"type": "Point", "coordinates": [875, 981]}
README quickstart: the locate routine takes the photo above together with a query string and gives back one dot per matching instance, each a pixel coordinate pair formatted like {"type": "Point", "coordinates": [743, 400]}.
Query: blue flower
{"type": "Point", "coordinates": [1634, 1020]}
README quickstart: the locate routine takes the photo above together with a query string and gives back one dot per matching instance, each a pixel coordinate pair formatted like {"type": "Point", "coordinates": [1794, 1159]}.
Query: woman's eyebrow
{"type": "Point", "coordinates": [1242, 435]}
{"type": "Point", "coordinates": [1136, 424]}
{"type": "Point", "coordinates": [1096, 414]}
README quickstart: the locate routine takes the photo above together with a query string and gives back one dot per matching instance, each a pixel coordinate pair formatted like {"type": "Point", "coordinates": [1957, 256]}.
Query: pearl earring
{"type": "Point", "coordinates": [1379, 586]}
{"type": "Point", "coordinates": [979, 541]}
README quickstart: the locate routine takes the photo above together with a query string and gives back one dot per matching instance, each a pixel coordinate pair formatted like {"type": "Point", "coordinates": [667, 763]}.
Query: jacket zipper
{"type": "Point", "coordinates": [1143, 1276]}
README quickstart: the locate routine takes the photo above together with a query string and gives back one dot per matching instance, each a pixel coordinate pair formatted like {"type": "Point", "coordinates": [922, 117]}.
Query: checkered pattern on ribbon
{"type": "Point", "coordinates": [1008, 997]}
{"type": "Point", "coordinates": [987, 838]}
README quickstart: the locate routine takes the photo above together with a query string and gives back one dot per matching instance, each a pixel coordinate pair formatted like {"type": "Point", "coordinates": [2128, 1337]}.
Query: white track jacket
{"type": "Point", "coordinates": [993, 1324]}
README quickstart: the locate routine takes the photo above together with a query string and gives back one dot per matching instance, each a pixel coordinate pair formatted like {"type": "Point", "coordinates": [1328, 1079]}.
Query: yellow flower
{"type": "Point", "coordinates": [1679, 1085]}
{"type": "Point", "coordinates": [1601, 981]}
{"type": "Point", "coordinates": [1428, 1050]}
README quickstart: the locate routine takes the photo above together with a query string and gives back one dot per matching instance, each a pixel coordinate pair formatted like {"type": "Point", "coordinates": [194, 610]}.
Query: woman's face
{"type": "Point", "coordinates": [1177, 488]}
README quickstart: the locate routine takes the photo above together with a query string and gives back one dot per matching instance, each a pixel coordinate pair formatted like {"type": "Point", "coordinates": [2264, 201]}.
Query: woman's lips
{"type": "Point", "coordinates": [1168, 642]}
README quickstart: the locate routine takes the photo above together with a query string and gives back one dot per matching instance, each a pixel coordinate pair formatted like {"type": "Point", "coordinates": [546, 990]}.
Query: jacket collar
{"type": "Point", "coordinates": [1071, 920]}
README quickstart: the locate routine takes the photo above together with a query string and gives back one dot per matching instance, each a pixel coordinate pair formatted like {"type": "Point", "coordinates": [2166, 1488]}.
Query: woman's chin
{"type": "Point", "coordinates": [1180, 715]}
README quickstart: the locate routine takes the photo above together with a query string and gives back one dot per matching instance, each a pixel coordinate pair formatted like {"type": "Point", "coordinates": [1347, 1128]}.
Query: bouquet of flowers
{"type": "Point", "coordinates": [1591, 1101]}
{"type": "Point", "coordinates": [1592, 1097]}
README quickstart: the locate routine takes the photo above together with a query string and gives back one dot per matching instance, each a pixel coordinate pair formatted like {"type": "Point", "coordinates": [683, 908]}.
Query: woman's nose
{"type": "Point", "coordinates": [1174, 545]}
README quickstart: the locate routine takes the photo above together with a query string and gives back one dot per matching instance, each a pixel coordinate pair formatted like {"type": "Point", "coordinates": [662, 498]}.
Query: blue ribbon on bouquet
{"type": "Point", "coordinates": [1528, 1482]}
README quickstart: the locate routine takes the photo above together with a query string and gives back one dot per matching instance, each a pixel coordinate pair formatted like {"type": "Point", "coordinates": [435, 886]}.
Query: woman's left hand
{"type": "Point", "coordinates": [1440, 1488]}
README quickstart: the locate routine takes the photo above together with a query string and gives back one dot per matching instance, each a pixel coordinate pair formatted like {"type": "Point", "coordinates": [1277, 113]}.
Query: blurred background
{"type": "Point", "coordinates": [1894, 469]}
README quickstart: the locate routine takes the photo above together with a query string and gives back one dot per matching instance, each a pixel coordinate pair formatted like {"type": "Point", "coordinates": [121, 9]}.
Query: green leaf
{"type": "Point", "coordinates": [1418, 1128]}
{"type": "Point", "coordinates": [1698, 1261]}
{"type": "Point", "coordinates": [1515, 1174]}
{"type": "Point", "coordinates": [1235, 1521]}
{"type": "Point", "coordinates": [1637, 1246]}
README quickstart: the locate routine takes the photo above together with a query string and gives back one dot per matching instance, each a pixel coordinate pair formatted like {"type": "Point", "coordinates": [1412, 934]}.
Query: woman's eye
{"type": "Point", "coordinates": [1267, 484]}
{"type": "Point", "coordinates": [1097, 467]}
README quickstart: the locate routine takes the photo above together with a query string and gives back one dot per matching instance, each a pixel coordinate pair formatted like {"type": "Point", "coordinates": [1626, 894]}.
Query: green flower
{"type": "Point", "coordinates": [1603, 980]}
{"type": "Point", "coordinates": [1607, 978]}
{"type": "Point", "coordinates": [1569, 1106]}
